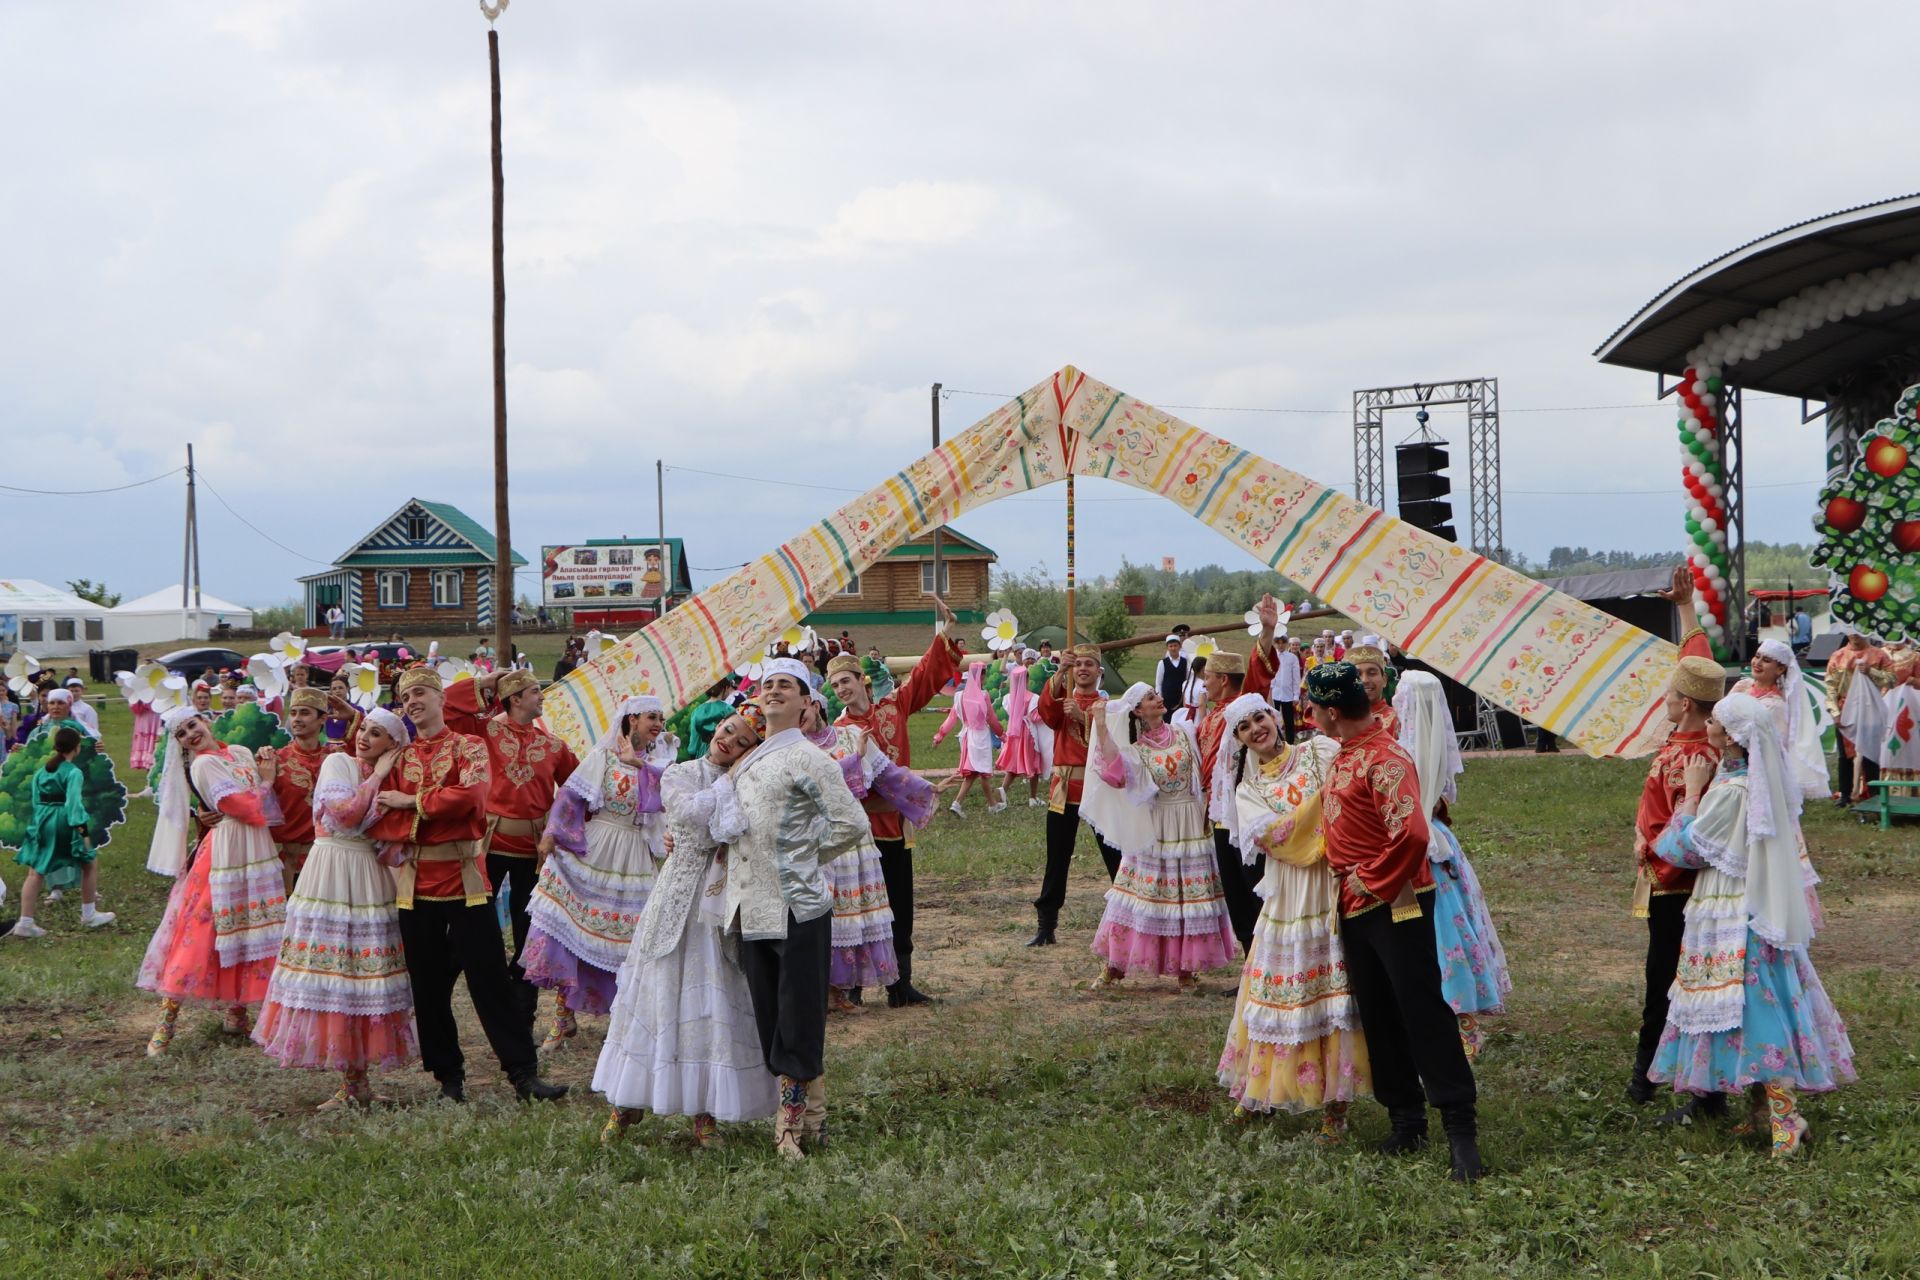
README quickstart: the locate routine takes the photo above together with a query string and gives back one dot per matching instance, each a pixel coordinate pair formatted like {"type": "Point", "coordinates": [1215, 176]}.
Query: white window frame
{"type": "Point", "coordinates": [852, 588]}
{"type": "Point", "coordinates": [926, 577]}
{"type": "Point", "coordinates": [383, 580]}
{"type": "Point", "coordinates": [446, 599]}
{"type": "Point", "coordinates": [407, 526]}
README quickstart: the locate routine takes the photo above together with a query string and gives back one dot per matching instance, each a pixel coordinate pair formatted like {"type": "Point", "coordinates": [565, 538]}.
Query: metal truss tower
{"type": "Point", "coordinates": [1481, 396]}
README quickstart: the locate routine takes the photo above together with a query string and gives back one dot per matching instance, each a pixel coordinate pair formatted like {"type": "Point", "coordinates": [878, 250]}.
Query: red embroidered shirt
{"type": "Point", "coordinates": [886, 723]}
{"type": "Point", "coordinates": [296, 770]}
{"type": "Point", "coordinates": [1213, 724]}
{"type": "Point", "coordinates": [527, 764]}
{"type": "Point", "coordinates": [1373, 822]}
{"type": "Point", "coordinates": [1069, 736]}
{"type": "Point", "coordinates": [449, 773]}
{"type": "Point", "coordinates": [1666, 786]}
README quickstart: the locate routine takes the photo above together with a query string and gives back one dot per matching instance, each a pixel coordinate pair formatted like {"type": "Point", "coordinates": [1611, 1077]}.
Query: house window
{"type": "Point", "coordinates": [96, 628]}
{"type": "Point", "coordinates": [393, 590]}
{"type": "Point", "coordinates": [33, 629]}
{"type": "Point", "coordinates": [926, 577]}
{"type": "Point", "coordinates": [853, 586]}
{"type": "Point", "coordinates": [63, 628]}
{"type": "Point", "coordinates": [446, 588]}
{"type": "Point", "coordinates": [416, 527]}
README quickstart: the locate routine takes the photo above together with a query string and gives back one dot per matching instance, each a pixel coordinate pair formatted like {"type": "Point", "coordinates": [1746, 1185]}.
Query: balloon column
{"type": "Point", "coordinates": [1704, 472]}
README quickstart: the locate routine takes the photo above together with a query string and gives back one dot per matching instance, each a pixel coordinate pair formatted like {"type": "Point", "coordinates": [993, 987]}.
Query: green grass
{"type": "Point", "coordinates": [1021, 1127]}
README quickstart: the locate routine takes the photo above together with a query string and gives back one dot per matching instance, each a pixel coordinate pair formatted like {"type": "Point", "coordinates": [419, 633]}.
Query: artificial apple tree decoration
{"type": "Point", "coordinates": [1869, 527]}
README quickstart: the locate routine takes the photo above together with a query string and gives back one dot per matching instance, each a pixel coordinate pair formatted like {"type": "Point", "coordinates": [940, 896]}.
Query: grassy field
{"type": "Point", "coordinates": [1020, 1127]}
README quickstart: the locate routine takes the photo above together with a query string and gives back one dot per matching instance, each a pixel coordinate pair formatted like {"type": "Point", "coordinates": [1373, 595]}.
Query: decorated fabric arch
{"type": "Point", "coordinates": [1552, 659]}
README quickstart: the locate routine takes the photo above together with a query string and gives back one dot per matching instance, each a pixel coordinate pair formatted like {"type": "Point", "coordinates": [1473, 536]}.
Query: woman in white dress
{"type": "Point", "coordinates": [683, 1040]}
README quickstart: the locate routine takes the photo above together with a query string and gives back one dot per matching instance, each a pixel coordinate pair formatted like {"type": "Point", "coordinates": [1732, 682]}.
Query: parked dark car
{"type": "Point", "coordinates": [386, 651]}
{"type": "Point", "coordinates": [194, 663]}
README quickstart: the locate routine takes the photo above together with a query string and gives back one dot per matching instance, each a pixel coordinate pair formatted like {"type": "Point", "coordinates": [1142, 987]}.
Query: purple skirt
{"type": "Point", "coordinates": [585, 988]}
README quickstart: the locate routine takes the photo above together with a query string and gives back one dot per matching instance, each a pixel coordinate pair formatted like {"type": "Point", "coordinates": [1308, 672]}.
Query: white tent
{"type": "Point", "coordinates": [48, 622]}
{"type": "Point", "coordinates": [157, 617]}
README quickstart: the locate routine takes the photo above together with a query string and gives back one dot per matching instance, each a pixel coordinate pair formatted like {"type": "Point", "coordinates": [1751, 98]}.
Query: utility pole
{"type": "Point", "coordinates": [503, 596]}
{"type": "Point", "coordinates": [939, 587]}
{"type": "Point", "coordinates": [666, 564]}
{"type": "Point", "coordinates": [187, 552]}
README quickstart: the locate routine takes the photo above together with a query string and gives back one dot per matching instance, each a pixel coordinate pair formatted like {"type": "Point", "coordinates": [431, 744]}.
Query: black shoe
{"type": "Point", "coordinates": [533, 1089]}
{"type": "Point", "coordinates": [1707, 1106]}
{"type": "Point", "coordinates": [857, 995]}
{"type": "Point", "coordinates": [903, 993]}
{"type": "Point", "coordinates": [454, 1089]}
{"type": "Point", "coordinates": [1640, 1090]}
{"type": "Point", "coordinates": [1465, 1152]}
{"type": "Point", "coordinates": [1409, 1133]}
{"type": "Point", "coordinates": [1043, 937]}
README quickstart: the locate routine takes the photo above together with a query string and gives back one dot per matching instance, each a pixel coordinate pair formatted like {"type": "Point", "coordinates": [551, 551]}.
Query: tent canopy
{"type": "Point", "coordinates": [24, 595]}
{"type": "Point", "coordinates": [167, 600]}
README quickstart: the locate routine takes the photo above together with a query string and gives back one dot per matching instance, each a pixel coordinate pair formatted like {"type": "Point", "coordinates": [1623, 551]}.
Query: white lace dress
{"type": "Point", "coordinates": [682, 1040]}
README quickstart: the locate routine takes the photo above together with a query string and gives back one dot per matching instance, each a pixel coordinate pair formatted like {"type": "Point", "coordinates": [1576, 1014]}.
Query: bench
{"type": "Point", "coordinates": [1884, 804]}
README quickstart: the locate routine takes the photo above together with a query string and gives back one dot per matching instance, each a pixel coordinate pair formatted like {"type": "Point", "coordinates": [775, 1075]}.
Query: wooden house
{"type": "Point", "coordinates": [898, 589]}
{"type": "Point", "coordinates": [429, 567]}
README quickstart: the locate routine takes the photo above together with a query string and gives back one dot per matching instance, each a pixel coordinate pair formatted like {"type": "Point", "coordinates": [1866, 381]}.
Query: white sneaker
{"type": "Point", "coordinates": [1035, 802]}
{"type": "Point", "coordinates": [100, 920]}
{"type": "Point", "coordinates": [998, 806]}
{"type": "Point", "coordinates": [28, 929]}
{"type": "Point", "coordinates": [956, 810]}
{"type": "Point", "coordinates": [54, 895]}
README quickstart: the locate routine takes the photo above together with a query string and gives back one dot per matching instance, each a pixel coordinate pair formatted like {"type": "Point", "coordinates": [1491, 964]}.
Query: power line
{"type": "Point", "coordinates": [76, 493]}
{"type": "Point", "coordinates": [831, 488]}
{"type": "Point", "coordinates": [1664, 493]}
{"type": "Point", "coordinates": [1244, 408]}
{"type": "Point", "coordinates": [201, 475]}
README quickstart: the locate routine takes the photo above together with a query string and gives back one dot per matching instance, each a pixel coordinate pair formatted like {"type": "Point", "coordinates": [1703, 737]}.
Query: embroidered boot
{"type": "Point", "coordinates": [706, 1131]}
{"type": "Point", "coordinates": [1333, 1125]}
{"type": "Point", "coordinates": [618, 1120]}
{"type": "Point", "coordinates": [1409, 1133]}
{"type": "Point", "coordinates": [1789, 1126]}
{"type": "Point", "coordinates": [236, 1023]}
{"type": "Point", "coordinates": [791, 1116]}
{"type": "Point", "coordinates": [813, 1127]}
{"type": "Point", "coordinates": [163, 1034]}
{"type": "Point", "coordinates": [564, 1027]}
{"type": "Point", "coordinates": [1757, 1119]}
{"type": "Point", "coordinates": [837, 1002]}
{"type": "Point", "coordinates": [1470, 1036]}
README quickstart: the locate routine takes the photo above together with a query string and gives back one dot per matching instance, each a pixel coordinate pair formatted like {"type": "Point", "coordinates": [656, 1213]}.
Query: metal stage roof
{"type": "Point", "coordinates": [1760, 274]}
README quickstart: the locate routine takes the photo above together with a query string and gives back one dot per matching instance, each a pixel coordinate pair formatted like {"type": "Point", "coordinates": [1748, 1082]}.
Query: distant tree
{"type": "Point", "coordinates": [97, 592]}
{"type": "Point", "coordinates": [1109, 619]}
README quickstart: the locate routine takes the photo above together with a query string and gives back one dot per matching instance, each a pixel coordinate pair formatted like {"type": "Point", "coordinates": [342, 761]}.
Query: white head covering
{"type": "Point", "coordinates": [1220, 802]}
{"type": "Point", "coordinates": [390, 723]}
{"type": "Point", "coordinates": [1135, 695]}
{"type": "Point", "coordinates": [1776, 886]}
{"type": "Point", "coordinates": [1805, 723]}
{"type": "Point", "coordinates": [786, 667]}
{"type": "Point", "coordinates": [587, 780]}
{"type": "Point", "coordinates": [167, 855]}
{"type": "Point", "coordinates": [1426, 731]}
{"type": "Point", "coordinates": [58, 694]}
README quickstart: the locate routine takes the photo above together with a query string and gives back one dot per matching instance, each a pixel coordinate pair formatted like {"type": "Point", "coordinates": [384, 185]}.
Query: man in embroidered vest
{"type": "Point", "coordinates": [1661, 890]}
{"type": "Point", "coordinates": [435, 806]}
{"type": "Point", "coordinates": [1375, 830]}
{"type": "Point", "coordinates": [788, 814]}
{"type": "Point", "coordinates": [526, 765]}
{"type": "Point", "coordinates": [299, 764]}
{"type": "Point", "coordinates": [885, 721]}
{"type": "Point", "coordinates": [1229, 677]}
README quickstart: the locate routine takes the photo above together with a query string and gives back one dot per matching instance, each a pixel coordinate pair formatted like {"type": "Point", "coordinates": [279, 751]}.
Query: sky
{"type": "Point", "coordinates": [746, 238]}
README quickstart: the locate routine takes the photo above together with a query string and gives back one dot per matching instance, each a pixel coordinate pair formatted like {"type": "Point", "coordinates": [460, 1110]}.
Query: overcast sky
{"type": "Point", "coordinates": [746, 238]}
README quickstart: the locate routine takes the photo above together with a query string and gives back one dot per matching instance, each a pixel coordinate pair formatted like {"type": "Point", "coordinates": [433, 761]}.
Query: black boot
{"type": "Point", "coordinates": [903, 992]}
{"type": "Point", "coordinates": [1409, 1132]}
{"type": "Point", "coordinates": [453, 1088]}
{"type": "Point", "coordinates": [856, 995]}
{"type": "Point", "coordinates": [532, 1088]}
{"type": "Point", "coordinates": [1463, 1142]}
{"type": "Point", "coordinates": [1640, 1090]}
{"type": "Point", "coordinates": [1706, 1106]}
{"type": "Point", "coordinates": [1043, 936]}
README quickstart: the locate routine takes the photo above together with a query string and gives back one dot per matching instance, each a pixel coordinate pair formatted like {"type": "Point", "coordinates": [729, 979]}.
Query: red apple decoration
{"type": "Point", "coordinates": [1845, 514]}
{"type": "Point", "coordinates": [1906, 535]}
{"type": "Point", "coordinates": [1866, 583]}
{"type": "Point", "coordinates": [1883, 457]}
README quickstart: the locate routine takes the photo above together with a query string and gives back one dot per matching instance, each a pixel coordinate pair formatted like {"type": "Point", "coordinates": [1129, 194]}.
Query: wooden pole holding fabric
{"type": "Point", "coordinates": [1073, 637]}
{"type": "Point", "coordinates": [939, 587]}
{"type": "Point", "coordinates": [502, 534]}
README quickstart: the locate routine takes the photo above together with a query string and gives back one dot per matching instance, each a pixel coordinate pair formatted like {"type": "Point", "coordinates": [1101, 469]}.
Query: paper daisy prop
{"type": "Point", "coordinates": [152, 685]}
{"type": "Point", "coordinates": [363, 685]}
{"type": "Point", "coordinates": [1000, 630]}
{"type": "Point", "coordinates": [599, 644]}
{"type": "Point", "coordinates": [755, 664]}
{"type": "Point", "coordinates": [20, 672]}
{"type": "Point", "coordinates": [1279, 623]}
{"type": "Point", "coordinates": [1201, 647]}
{"type": "Point", "coordinates": [268, 672]}
{"type": "Point", "coordinates": [799, 639]}
{"type": "Point", "coordinates": [289, 648]}
{"type": "Point", "coordinates": [453, 670]}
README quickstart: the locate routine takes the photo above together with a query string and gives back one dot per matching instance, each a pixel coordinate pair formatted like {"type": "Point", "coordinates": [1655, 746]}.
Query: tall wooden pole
{"type": "Point", "coordinates": [503, 539]}
{"type": "Point", "coordinates": [666, 562]}
{"type": "Point", "coordinates": [939, 587]}
{"type": "Point", "coordinates": [1072, 636]}
{"type": "Point", "coordinates": [193, 539]}
{"type": "Point", "coordinates": [186, 551]}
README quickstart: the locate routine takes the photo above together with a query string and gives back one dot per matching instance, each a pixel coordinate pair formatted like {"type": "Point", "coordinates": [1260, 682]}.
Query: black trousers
{"type": "Point", "coordinates": [1666, 920]}
{"type": "Point", "coordinates": [896, 868]}
{"type": "Point", "coordinates": [1063, 832]}
{"type": "Point", "coordinates": [1236, 882]}
{"type": "Point", "coordinates": [1413, 1037]}
{"type": "Point", "coordinates": [1286, 720]}
{"type": "Point", "coordinates": [518, 874]}
{"type": "Point", "coordinates": [787, 978]}
{"type": "Point", "coordinates": [443, 940]}
{"type": "Point", "coordinates": [1870, 772]}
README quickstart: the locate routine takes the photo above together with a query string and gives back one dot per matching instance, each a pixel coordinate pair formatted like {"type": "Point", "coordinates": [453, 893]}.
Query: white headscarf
{"type": "Point", "coordinates": [1776, 885]}
{"type": "Point", "coordinates": [1805, 723]}
{"type": "Point", "coordinates": [167, 855]}
{"type": "Point", "coordinates": [1426, 731]}
{"type": "Point", "coordinates": [1134, 696]}
{"type": "Point", "coordinates": [786, 667]}
{"type": "Point", "coordinates": [587, 780]}
{"type": "Point", "coordinates": [1221, 806]}
{"type": "Point", "coordinates": [390, 723]}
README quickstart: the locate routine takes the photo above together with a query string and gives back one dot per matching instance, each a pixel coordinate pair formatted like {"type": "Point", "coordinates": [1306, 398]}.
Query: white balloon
{"type": "Point", "coordinates": [1709, 524]}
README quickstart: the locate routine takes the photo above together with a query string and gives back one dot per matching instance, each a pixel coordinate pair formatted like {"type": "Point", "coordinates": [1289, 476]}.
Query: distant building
{"type": "Point", "coordinates": [48, 622]}
{"type": "Point", "coordinates": [899, 587]}
{"type": "Point", "coordinates": [428, 566]}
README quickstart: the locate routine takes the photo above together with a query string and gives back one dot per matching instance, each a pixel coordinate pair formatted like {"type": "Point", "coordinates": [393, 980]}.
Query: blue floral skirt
{"type": "Point", "coordinates": [1789, 1034]}
{"type": "Point", "coordinates": [1473, 966]}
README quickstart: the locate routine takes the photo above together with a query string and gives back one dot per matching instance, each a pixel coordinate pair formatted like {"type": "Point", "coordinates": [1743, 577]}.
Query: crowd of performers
{"type": "Point", "coordinates": [717, 897]}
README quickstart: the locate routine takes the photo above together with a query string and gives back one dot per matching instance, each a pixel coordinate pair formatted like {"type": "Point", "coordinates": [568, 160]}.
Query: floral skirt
{"type": "Point", "coordinates": [682, 1040]}
{"type": "Point", "coordinates": [182, 961]}
{"type": "Point", "coordinates": [339, 999]}
{"type": "Point", "coordinates": [1789, 1034]}
{"type": "Point", "coordinates": [1166, 912]}
{"type": "Point", "coordinates": [1473, 965]}
{"type": "Point", "coordinates": [1293, 1077]}
{"type": "Point", "coordinates": [862, 921]}
{"type": "Point", "coordinates": [584, 912]}
{"type": "Point", "coordinates": [1020, 758]}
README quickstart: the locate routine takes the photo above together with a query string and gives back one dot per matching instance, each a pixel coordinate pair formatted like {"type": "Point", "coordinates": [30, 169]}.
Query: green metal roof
{"type": "Point", "coordinates": [480, 549]}
{"type": "Point", "coordinates": [421, 558]}
{"type": "Point", "coordinates": [464, 525]}
{"type": "Point", "coordinates": [952, 543]}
